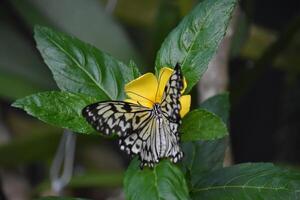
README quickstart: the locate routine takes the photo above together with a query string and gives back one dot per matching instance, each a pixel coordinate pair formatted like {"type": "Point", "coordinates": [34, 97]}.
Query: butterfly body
{"type": "Point", "coordinates": [150, 133]}
{"type": "Point", "coordinates": [157, 110]}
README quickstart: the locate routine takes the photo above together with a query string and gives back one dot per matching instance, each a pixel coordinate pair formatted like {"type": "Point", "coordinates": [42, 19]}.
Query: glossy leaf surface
{"type": "Point", "coordinates": [164, 181]}
{"type": "Point", "coordinates": [60, 109]}
{"type": "Point", "coordinates": [195, 40]}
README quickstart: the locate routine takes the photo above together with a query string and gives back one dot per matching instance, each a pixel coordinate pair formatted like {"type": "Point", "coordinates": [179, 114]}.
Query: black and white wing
{"type": "Point", "coordinates": [118, 117]}
{"type": "Point", "coordinates": [140, 131]}
{"type": "Point", "coordinates": [170, 107]}
{"type": "Point", "coordinates": [170, 104]}
{"type": "Point", "coordinates": [133, 123]}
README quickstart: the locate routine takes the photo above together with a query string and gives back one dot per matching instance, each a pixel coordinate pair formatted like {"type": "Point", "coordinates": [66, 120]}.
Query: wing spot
{"type": "Point", "coordinates": [137, 119]}
{"type": "Point", "coordinates": [127, 107]}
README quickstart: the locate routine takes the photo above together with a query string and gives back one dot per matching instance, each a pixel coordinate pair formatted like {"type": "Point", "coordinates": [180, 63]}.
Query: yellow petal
{"type": "Point", "coordinates": [164, 75]}
{"type": "Point", "coordinates": [185, 102]}
{"type": "Point", "coordinates": [142, 89]}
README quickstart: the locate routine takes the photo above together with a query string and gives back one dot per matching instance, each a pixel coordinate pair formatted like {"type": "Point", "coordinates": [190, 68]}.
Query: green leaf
{"type": "Point", "coordinates": [81, 68]}
{"type": "Point", "coordinates": [219, 105]}
{"type": "Point", "coordinates": [135, 70]}
{"type": "Point", "coordinates": [195, 40]}
{"type": "Point", "coordinates": [248, 181]}
{"type": "Point", "coordinates": [60, 109]}
{"type": "Point", "coordinates": [201, 124]}
{"type": "Point", "coordinates": [164, 181]}
{"type": "Point", "coordinates": [203, 156]}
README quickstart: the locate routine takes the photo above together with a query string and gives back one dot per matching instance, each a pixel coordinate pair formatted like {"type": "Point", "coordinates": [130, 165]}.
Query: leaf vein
{"type": "Point", "coordinates": [79, 66]}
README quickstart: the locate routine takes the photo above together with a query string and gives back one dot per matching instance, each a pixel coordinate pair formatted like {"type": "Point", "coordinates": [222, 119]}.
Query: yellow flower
{"type": "Point", "coordinates": [147, 90]}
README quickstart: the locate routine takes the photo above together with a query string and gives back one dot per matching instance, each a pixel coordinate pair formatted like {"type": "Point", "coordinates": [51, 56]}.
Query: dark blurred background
{"type": "Point", "coordinates": [260, 67]}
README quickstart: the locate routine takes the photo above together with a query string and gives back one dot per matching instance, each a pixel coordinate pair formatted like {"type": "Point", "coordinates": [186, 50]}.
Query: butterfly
{"type": "Point", "coordinates": [150, 133]}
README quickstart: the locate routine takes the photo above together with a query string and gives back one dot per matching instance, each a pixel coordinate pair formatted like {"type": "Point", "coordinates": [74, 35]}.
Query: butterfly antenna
{"type": "Point", "coordinates": [140, 96]}
{"type": "Point", "coordinates": [177, 66]}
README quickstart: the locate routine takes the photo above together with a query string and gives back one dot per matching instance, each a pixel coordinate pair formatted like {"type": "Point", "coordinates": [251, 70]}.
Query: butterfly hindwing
{"type": "Point", "coordinates": [134, 142]}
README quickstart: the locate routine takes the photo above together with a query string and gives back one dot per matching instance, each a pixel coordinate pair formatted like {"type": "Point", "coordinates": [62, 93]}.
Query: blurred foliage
{"type": "Point", "coordinates": [86, 23]}
{"type": "Point", "coordinates": [29, 149]}
{"type": "Point", "coordinates": [90, 179]}
{"type": "Point", "coordinates": [259, 39]}
{"type": "Point", "coordinates": [24, 75]}
{"type": "Point", "coordinates": [129, 13]}
{"type": "Point", "coordinates": [60, 198]}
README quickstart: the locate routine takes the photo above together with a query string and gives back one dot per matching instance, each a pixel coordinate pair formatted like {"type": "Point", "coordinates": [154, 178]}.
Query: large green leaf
{"type": "Point", "coordinates": [195, 40]}
{"type": "Point", "coordinates": [164, 181]}
{"type": "Point", "coordinates": [60, 109]}
{"type": "Point", "coordinates": [81, 68]}
{"type": "Point", "coordinates": [248, 181]}
{"type": "Point", "coordinates": [203, 156]}
{"type": "Point", "coordinates": [201, 124]}
{"type": "Point", "coordinates": [219, 105]}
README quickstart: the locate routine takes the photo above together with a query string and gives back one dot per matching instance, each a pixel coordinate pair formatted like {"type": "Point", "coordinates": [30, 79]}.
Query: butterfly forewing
{"type": "Point", "coordinates": [115, 116]}
{"type": "Point", "coordinates": [170, 104]}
